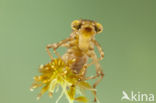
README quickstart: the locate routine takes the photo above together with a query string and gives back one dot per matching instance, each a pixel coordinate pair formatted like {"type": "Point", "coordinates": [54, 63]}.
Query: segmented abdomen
{"type": "Point", "coordinates": [79, 61]}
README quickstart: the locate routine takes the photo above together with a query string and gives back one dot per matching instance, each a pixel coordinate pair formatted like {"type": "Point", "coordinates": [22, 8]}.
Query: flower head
{"type": "Point", "coordinates": [57, 74]}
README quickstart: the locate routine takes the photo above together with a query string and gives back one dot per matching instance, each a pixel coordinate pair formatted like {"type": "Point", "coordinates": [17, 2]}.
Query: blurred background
{"type": "Point", "coordinates": [128, 40]}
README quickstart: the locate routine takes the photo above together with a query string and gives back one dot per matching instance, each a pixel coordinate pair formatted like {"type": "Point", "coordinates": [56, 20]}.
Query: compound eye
{"type": "Point", "coordinates": [98, 28]}
{"type": "Point", "coordinates": [76, 24]}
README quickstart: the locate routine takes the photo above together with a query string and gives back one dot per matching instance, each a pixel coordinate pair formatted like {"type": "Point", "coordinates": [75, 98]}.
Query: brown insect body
{"type": "Point", "coordinates": [75, 52]}
{"type": "Point", "coordinates": [83, 34]}
{"type": "Point", "coordinates": [80, 47]}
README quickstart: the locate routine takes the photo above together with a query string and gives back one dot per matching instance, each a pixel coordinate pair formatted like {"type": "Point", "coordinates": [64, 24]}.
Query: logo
{"type": "Point", "coordinates": [137, 96]}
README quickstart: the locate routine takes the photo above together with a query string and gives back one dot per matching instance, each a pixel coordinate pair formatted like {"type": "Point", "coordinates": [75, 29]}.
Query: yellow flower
{"type": "Point", "coordinates": [58, 73]}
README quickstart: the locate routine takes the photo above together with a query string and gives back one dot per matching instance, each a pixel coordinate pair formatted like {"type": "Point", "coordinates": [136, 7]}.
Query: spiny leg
{"type": "Point", "coordinates": [92, 77]}
{"type": "Point", "coordinates": [95, 61]}
{"type": "Point", "coordinates": [83, 70]}
{"type": "Point", "coordinates": [101, 75]}
{"type": "Point", "coordinates": [99, 59]}
{"type": "Point", "coordinates": [99, 49]}
{"type": "Point", "coordinates": [82, 77]}
{"type": "Point", "coordinates": [99, 72]}
{"type": "Point", "coordinates": [55, 46]}
{"type": "Point", "coordinates": [97, 82]}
